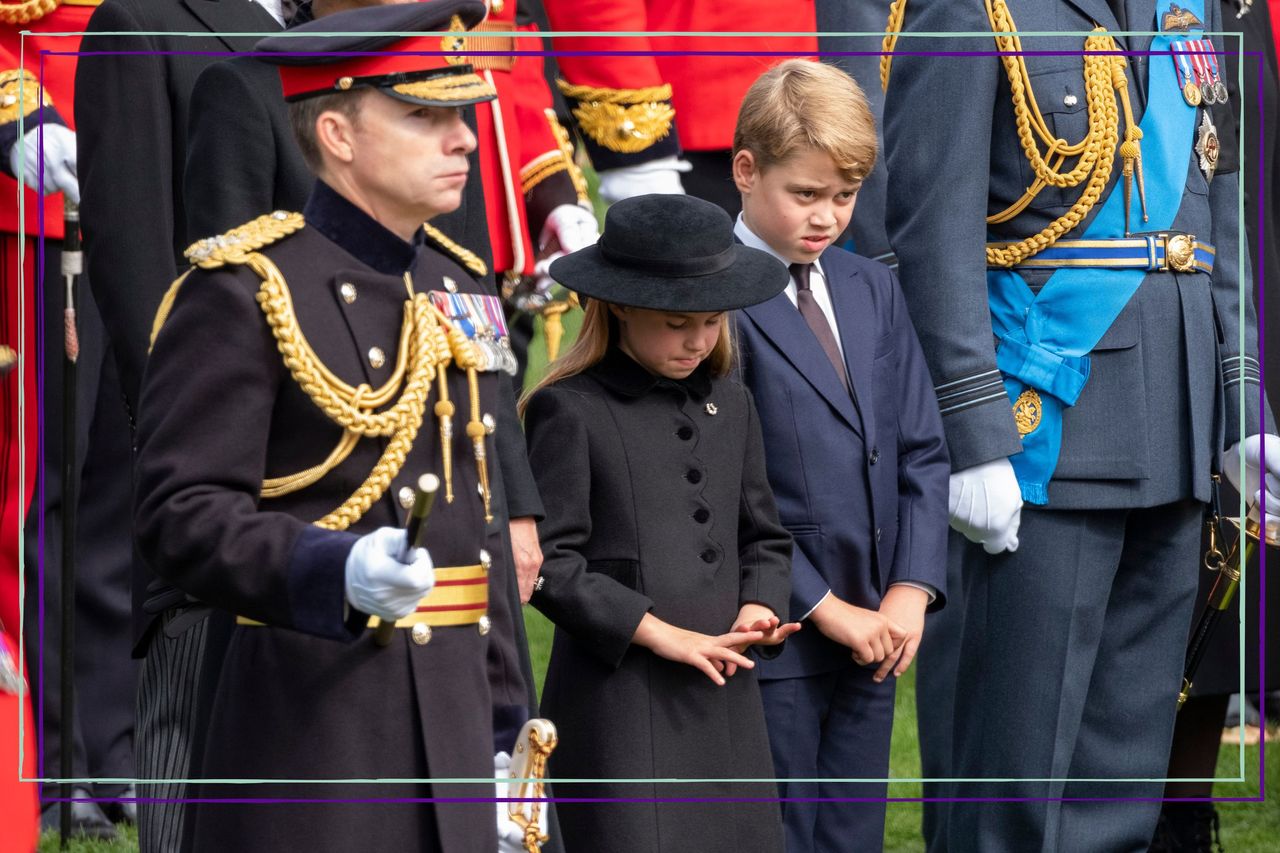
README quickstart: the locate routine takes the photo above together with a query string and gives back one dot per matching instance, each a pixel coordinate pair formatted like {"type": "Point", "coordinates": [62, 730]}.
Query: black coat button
{"type": "Point", "coordinates": [684, 433]}
{"type": "Point", "coordinates": [875, 455]}
{"type": "Point", "coordinates": [701, 515]}
{"type": "Point", "coordinates": [708, 556]}
{"type": "Point", "coordinates": [694, 476]}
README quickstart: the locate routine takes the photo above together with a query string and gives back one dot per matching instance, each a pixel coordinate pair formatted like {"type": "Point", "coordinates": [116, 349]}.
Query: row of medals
{"type": "Point", "coordinates": [1204, 90]}
{"type": "Point", "coordinates": [496, 353]}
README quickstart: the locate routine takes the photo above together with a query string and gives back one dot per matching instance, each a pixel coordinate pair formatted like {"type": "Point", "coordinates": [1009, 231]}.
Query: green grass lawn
{"type": "Point", "coordinates": [1246, 827]}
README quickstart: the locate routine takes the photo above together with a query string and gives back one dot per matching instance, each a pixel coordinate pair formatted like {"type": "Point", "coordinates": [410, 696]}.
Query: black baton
{"type": "Point", "coordinates": [415, 526]}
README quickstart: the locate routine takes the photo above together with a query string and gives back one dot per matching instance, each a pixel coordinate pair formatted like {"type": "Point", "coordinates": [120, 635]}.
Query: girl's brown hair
{"type": "Point", "coordinates": [599, 331]}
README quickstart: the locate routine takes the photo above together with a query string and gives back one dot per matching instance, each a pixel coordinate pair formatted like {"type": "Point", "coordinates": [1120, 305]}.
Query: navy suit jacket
{"type": "Point", "coordinates": [861, 482]}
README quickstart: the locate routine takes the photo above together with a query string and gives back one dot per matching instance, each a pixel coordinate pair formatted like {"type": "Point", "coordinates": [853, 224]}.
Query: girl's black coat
{"type": "Point", "coordinates": [657, 501]}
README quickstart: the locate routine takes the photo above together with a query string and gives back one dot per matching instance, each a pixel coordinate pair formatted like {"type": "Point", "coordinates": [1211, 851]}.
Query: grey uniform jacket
{"type": "Point", "coordinates": [1167, 380]}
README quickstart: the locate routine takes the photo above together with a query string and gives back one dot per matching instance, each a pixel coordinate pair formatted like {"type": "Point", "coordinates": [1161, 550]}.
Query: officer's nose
{"type": "Point", "coordinates": [460, 138]}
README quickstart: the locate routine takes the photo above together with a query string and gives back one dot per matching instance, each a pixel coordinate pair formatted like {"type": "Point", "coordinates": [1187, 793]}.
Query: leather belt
{"type": "Point", "coordinates": [460, 597]}
{"type": "Point", "coordinates": [1152, 252]}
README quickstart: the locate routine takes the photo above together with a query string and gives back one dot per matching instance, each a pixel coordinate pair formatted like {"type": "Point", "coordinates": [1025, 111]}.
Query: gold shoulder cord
{"type": "Point", "coordinates": [425, 349]}
{"type": "Point", "coordinates": [26, 12]}
{"type": "Point", "coordinates": [1093, 156]}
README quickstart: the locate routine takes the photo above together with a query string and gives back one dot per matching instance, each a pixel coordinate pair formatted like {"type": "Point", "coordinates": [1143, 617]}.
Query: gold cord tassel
{"type": "Point", "coordinates": [444, 411]}
{"type": "Point", "coordinates": [476, 432]}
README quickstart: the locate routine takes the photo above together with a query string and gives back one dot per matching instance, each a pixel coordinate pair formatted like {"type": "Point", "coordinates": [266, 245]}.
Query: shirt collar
{"type": "Point", "coordinates": [358, 233]}
{"type": "Point", "coordinates": [624, 375]}
{"type": "Point", "coordinates": [749, 239]}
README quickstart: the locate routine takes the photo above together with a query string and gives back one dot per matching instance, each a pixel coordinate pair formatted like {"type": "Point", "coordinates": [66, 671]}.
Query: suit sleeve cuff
{"type": "Point", "coordinates": [928, 590]}
{"type": "Point", "coordinates": [809, 612]}
{"type": "Point", "coordinates": [317, 585]}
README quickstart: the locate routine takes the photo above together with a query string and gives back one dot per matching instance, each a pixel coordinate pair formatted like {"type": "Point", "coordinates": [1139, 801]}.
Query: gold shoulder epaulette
{"type": "Point", "coordinates": [235, 246]}
{"type": "Point", "coordinates": [463, 256]}
{"type": "Point", "coordinates": [20, 95]}
{"type": "Point", "coordinates": [622, 120]}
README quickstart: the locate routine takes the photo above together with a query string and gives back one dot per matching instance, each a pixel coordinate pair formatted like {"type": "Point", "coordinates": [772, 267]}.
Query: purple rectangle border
{"type": "Point", "coordinates": [1259, 273]}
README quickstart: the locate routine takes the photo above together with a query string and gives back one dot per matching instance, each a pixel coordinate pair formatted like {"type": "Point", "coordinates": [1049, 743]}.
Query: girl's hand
{"type": "Point", "coordinates": [757, 617]}
{"type": "Point", "coordinates": [703, 651]}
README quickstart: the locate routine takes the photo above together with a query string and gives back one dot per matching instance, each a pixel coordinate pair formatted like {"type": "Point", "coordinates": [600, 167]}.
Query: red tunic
{"type": "Point", "coordinates": [525, 170]}
{"type": "Point", "coordinates": [19, 808]}
{"type": "Point", "coordinates": [705, 90]}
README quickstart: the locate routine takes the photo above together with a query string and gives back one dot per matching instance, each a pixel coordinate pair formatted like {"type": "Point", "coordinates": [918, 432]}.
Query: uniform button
{"type": "Point", "coordinates": [421, 634]}
{"type": "Point", "coordinates": [449, 284]}
{"type": "Point", "coordinates": [348, 291]}
{"type": "Point", "coordinates": [877, 534]}
{"type": "Point", "coordinates": [684, 433]}
{"type": "Point", "coordinates": [708, 556]}
{"type": "Point", "coordinates": [489, 424]}
{"type": "Point", "coordinates": [484, 625]}
{"type": "Point", "coordinates": [701, 515]}
{"type": "Point", "coordinates": [875, 455]}
{"type": "Point", "coordinates": [694, 476]}
{"type": "Point", "coordinates": [486, 561]}
{"type": "Point", "coordinates": [377, 357]}
{"type": "Point", "coordinates": [1069, 100]}
{"type": "Point", "coordinates": [406, 497]}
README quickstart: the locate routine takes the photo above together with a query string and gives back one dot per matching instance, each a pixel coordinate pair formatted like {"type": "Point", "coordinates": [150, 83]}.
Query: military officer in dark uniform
{"type": "Point", "coordinates": [1068, 248]}
{"type": "Point", "coordinates": [304, 374]}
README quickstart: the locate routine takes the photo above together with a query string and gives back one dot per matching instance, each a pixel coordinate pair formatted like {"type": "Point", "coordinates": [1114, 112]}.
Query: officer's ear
{"type": "Point", "coordinates": [745, 170]}
{"type": "Point", "coordinates": [335, 135]}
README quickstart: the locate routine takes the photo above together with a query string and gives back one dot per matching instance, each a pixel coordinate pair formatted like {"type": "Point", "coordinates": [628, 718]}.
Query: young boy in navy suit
{"type": "Point", "coordinates": [854, 449]}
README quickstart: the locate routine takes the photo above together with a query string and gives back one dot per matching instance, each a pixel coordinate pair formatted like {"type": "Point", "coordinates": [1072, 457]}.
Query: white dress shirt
{"type": "Point", "coordinates": [817, 278]}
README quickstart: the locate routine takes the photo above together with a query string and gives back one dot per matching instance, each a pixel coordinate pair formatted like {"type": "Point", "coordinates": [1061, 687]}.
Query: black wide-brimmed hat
{"type": "Point", "coordinates": [671, 253]}
{"type": "Point", "coordinates": [365, 48]}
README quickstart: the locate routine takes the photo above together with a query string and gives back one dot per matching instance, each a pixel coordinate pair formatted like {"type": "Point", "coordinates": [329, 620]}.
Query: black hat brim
{"type": "Point", "coordinates": [752, 277]}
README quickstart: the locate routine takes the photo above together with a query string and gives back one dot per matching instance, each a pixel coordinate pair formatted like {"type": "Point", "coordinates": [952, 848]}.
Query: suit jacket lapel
{"type": "Point", "coordinates": [782, 324]}
{"type": "Point", "coordinates": [231, 16]}
{"type": "Point", "coordinates": [857, 338]}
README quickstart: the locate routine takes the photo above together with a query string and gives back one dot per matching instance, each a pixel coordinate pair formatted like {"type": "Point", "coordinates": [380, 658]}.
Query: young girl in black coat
{"type": "Point", "coordinates": [664, 556]}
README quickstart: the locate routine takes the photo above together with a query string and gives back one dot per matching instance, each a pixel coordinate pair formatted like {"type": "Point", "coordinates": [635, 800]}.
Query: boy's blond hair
{"type": "Point", "coordinates": [801, 104]}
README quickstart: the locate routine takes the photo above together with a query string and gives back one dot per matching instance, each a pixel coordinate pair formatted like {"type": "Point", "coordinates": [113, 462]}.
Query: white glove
{"type": "Point", "coordinates": [378, 583]}
{"type": "Point", "coordinates": [570, 228]}
{"type": "Point", "coordinates": [655, 176]}
{"type": "Point", "coordinates": [985, 504]}
{"type": "Point", "coordinates": [510, 835]}
{"type": "Point", "coordinates": [59, 161]}
{"type": "Point", "coordinates": [1254, 480]}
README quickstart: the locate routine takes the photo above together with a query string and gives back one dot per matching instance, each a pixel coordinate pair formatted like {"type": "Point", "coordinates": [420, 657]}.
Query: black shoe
{"type": "Point", "coordinates": [1187, 828]}
{"type": "Point", "coordinates": [118, 812]}
{"type": "Point", "coordinates": [87, 820]}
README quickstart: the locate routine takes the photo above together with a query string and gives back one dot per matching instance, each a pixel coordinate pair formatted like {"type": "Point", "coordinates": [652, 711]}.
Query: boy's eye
{"type": "Point", "coordinates": [847, 196]}
{"type": "Point", "coordinates": [714, 321]}
{"type": "Point", "coordinates": [806, 194]}
{"type": "Point", "coordinates": [677, 324]}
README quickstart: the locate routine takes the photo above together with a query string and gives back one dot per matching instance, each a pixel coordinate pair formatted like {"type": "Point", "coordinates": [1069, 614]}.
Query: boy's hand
{"type": "Point", "coordinates": [904, 605]}
{"type": "Point", "coordinates": [703, 651]}
{"type": "Point", "coordinates": [870, 635]}
{"type": "Point", "coordinates": [757, 617]}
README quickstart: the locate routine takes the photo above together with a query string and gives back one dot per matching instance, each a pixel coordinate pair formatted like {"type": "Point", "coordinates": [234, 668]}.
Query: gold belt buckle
{"type": "Point", "coordinates": [1180, 252]}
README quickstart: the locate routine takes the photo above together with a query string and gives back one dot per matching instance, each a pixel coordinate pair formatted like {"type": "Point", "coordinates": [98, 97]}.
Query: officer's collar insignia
{"type": "Point", "coordinates": [1178, 19]}
{"type": "Point", "coordinates": [455, 42]}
